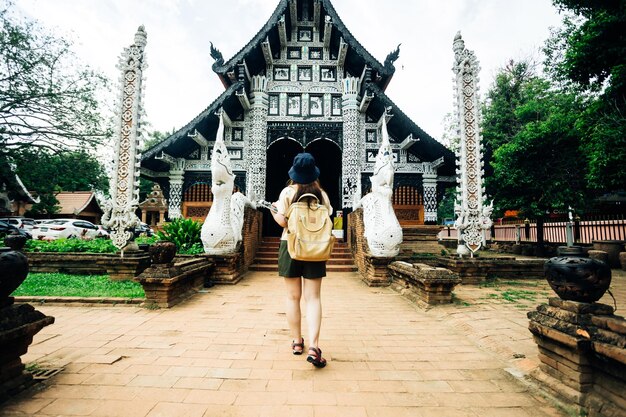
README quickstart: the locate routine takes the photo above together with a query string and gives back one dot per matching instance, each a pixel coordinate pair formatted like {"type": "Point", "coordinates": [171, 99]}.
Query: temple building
{"type": "Point", "coordinates": [303, 83]}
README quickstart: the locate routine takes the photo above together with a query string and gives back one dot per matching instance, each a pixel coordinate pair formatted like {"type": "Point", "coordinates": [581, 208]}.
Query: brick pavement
{"type": "Point", "coordinates": [226, 352]}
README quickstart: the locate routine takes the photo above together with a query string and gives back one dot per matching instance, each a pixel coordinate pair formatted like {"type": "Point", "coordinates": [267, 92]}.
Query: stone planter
{"type": "Point", "coordinates": [612, 248]}
{"type": "Point", "coordinates": [118, 268]}
{"type": "Point", "coordinates": [166, 285]}
{"type": "Point", "coordinates": [162, 252]}
{"type": "Point", "coordinates": [578, 279]}
{"type": "Point", "coordinates": [423, 283]}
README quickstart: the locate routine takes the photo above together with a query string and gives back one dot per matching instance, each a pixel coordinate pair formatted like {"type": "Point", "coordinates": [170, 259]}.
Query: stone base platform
{"type": "Point", "coordinates": [422, 283]}
{"type": "Point", "coordinates": [166, 285]}
{"type": "Point", "coordinates": [582, 349]}
{"type": "Point", "coordinates": [18, 324]}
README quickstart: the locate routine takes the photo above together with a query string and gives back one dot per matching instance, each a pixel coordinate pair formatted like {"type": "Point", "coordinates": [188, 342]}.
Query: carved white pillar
{"type": "Point", "coordinates": [177, 178]}
{"type": "Point", "coordinates": [256, 147]}
{"type": "Point", "coordinates": [176, 195]}
{"type": "Point", "coordinates": [473, 215]}
{"type": "Point", "coordinates": [429, 184]}
{"type": "Point", "coordinates": [351, 170]}
{"type": "Point", "coordinates": [120, 210]}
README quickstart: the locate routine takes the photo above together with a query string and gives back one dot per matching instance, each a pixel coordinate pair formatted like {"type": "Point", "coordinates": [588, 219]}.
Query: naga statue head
{"type": "Point", "coordinates": [382, 180]}
{"type": "Point", "coordinates": [223, 179]}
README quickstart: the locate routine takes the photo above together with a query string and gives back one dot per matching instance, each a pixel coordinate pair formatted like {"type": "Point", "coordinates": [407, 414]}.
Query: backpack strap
{"type": "Point", "coordinates": [292, 205]}
{"type": "Point", "coordinates": [308, 195]}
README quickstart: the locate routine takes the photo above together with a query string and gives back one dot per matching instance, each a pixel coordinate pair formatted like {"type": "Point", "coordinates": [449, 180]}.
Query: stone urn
{"type": "Point", "coordinates": [13, 271]}
{"type": "Point", "coordinates": [162, 252]}
{"type": "Point", "coordinates": [577, 279]}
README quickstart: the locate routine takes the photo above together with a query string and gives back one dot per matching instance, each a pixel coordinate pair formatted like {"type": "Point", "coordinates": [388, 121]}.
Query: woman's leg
{"type": "Point", "coordinates": [312, 289]}
{"type": "Point", "coordinates": [294, 316]}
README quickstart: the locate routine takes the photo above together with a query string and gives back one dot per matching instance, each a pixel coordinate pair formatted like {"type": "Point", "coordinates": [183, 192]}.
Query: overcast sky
{"type": "Point", "coordinates": [180, 82]}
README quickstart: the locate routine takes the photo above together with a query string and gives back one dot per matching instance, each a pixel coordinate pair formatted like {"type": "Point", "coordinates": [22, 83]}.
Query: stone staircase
{"type": "Point", "coordinates": [267, 257]}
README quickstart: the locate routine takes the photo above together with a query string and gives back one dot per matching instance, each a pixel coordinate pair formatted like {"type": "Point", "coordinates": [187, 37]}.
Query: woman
{"type": "Point", "coordinates": [302, 277]}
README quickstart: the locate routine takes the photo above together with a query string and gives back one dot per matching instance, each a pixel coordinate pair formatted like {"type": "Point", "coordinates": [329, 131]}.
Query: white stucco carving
{"type": "Point", "coordinates": [221, 230]}
{"type": "Point", "coordinates": [119, 213]}
{"type": "Point", "coordinates": [473, 217]}
{"type": "Point", "coordinates": [382, 229]}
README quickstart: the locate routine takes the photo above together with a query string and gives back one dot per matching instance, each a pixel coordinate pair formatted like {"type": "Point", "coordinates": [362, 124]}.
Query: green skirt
{"type": "Point", "coordinates": [290, 268]}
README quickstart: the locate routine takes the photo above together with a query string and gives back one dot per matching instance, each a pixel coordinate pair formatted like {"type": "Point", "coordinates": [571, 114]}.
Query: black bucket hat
{"type": "Point", "coordinates": [304, 170]}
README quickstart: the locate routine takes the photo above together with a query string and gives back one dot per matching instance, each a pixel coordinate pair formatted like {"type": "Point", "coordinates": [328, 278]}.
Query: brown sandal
{"type": "Point", "coordinates": [295, 345]}
{"type": "Point", "coordinates": [316, 359]}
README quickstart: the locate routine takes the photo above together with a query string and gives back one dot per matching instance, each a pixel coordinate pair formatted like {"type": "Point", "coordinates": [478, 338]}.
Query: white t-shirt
{"type": "Point", "coordinates": [284, 201]}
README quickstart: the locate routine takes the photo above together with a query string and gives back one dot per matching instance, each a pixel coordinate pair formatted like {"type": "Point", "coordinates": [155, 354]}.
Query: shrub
{"type": "Point", "coordinates": [146, 240]}
{"type": "Point", "coordinates": [71, 245]}
{"type": "Point", "coordinates": [184, 233]}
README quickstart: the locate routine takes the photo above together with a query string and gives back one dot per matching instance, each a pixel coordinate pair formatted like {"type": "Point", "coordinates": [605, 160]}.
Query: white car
{"type": "Point", "coordinates": [65, 228]}
{"type": "Point", "coordinates": [20, 222]}
{"type": "Point", "coordinates": [102, 232]}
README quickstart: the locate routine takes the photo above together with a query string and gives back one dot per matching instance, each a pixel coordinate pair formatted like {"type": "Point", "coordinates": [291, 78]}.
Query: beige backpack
{"type": "Point", "coordinates": [309, 231]}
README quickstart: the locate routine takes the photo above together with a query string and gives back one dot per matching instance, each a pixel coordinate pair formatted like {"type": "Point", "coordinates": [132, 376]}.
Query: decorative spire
{"type": "Point", "coordinates": [473, 216]}
{"type": "Point", "coordinates": [119, 213]}
{"type": "Point", "coordinates": [216, 55]}
{"type": "Point", "coordinates": [141, 37]}
{"type": "Point", "coordinates": [458, 45]}
{"type": "Point", "coordinates": [392, 57]}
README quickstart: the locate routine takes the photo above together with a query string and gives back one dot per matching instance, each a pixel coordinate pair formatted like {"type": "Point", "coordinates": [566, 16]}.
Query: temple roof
{"type": "Point", "coordinates": [357, 60]}
{"type": "Point", "coordinates": [357, 57]}
{"type": "Point", "coordinates": [10, 181]}
{"type": "Point", "coordinates": [75, 203]}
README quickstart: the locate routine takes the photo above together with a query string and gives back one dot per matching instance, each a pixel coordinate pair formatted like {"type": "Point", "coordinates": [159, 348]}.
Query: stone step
{"type": "Point", "coordinates": [338, 252]}
{"type": "Point", "coordinates": [331, 261]}
{"type": "Point", "coordinates": [329, 268]}
{"type": "Point", "coordinates": [276, 244]}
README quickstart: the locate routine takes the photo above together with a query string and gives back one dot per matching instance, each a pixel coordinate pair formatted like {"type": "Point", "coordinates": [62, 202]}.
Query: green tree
{"type": "Point", "coordinates": [47, 174]}
{"type": "Point", "coordinates": [589, 53]}
{"type": "Point", "coordinates": [48, 100]}
{"type": "Point", "coordinates": [532, 128]}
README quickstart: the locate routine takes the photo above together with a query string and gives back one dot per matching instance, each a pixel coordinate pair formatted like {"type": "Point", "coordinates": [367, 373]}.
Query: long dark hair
{"type": "Point", "coordinates": [311, 188]}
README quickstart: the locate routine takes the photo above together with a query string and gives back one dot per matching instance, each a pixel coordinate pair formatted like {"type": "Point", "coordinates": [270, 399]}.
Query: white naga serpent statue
{"type": "Point", "coordinates": [221, 231]}
{"type": "Point", "coordinates": [382, 229]}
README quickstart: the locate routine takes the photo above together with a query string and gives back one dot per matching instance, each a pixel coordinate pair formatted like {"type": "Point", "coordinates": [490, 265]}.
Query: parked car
{"type": "Point", "coordinates": [65, 228]}
{"type": "Point", "coordinates": [19, 222]}
{"type": "Point", "coordinates": [102, 232]}
{"type": "Point", "coordinates": [143, 228]}
{"type": "Point", "coordinates": [7, 229]}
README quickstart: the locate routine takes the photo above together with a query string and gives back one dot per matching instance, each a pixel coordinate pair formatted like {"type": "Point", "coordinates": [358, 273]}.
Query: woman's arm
{"type": "Point", "coordinates": [279, 218]}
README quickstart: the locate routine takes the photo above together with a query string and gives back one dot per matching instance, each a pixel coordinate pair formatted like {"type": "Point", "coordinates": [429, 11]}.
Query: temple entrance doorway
{"type": "Point", "coordinates": [328, 158]}
{"type": "Point", "coordinates": [280, 156]}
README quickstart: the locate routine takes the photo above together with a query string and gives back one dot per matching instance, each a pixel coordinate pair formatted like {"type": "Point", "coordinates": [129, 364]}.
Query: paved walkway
{"type": "Point", "coordinates": [226, 352]}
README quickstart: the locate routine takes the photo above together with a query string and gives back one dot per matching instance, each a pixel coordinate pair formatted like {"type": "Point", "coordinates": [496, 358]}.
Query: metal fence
{"type": "Point", "coordinates": [585, 229]}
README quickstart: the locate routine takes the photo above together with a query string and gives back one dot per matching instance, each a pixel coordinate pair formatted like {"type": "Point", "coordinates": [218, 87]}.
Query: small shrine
{"type": "Point", "coordinates": [154, 207]}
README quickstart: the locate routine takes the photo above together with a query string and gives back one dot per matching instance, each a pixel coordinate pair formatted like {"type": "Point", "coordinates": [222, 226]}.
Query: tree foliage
{"type": "Point", "coordinates": [48, 174]}
{"type": "Point", "coordinates": [47, 99]}
{"type": "Point", "coordinates": [590, 54]}
{"type": "Point", "coordinates": [532, 129]}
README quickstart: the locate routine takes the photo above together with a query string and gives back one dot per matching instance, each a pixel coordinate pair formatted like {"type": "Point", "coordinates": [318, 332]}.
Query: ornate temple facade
{"type": "Point", "coordinates": [303, 83]}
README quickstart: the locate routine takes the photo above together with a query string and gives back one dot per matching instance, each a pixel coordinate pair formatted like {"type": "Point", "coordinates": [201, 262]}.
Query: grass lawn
{"type": "Point", "coordinates": [64, 285]}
